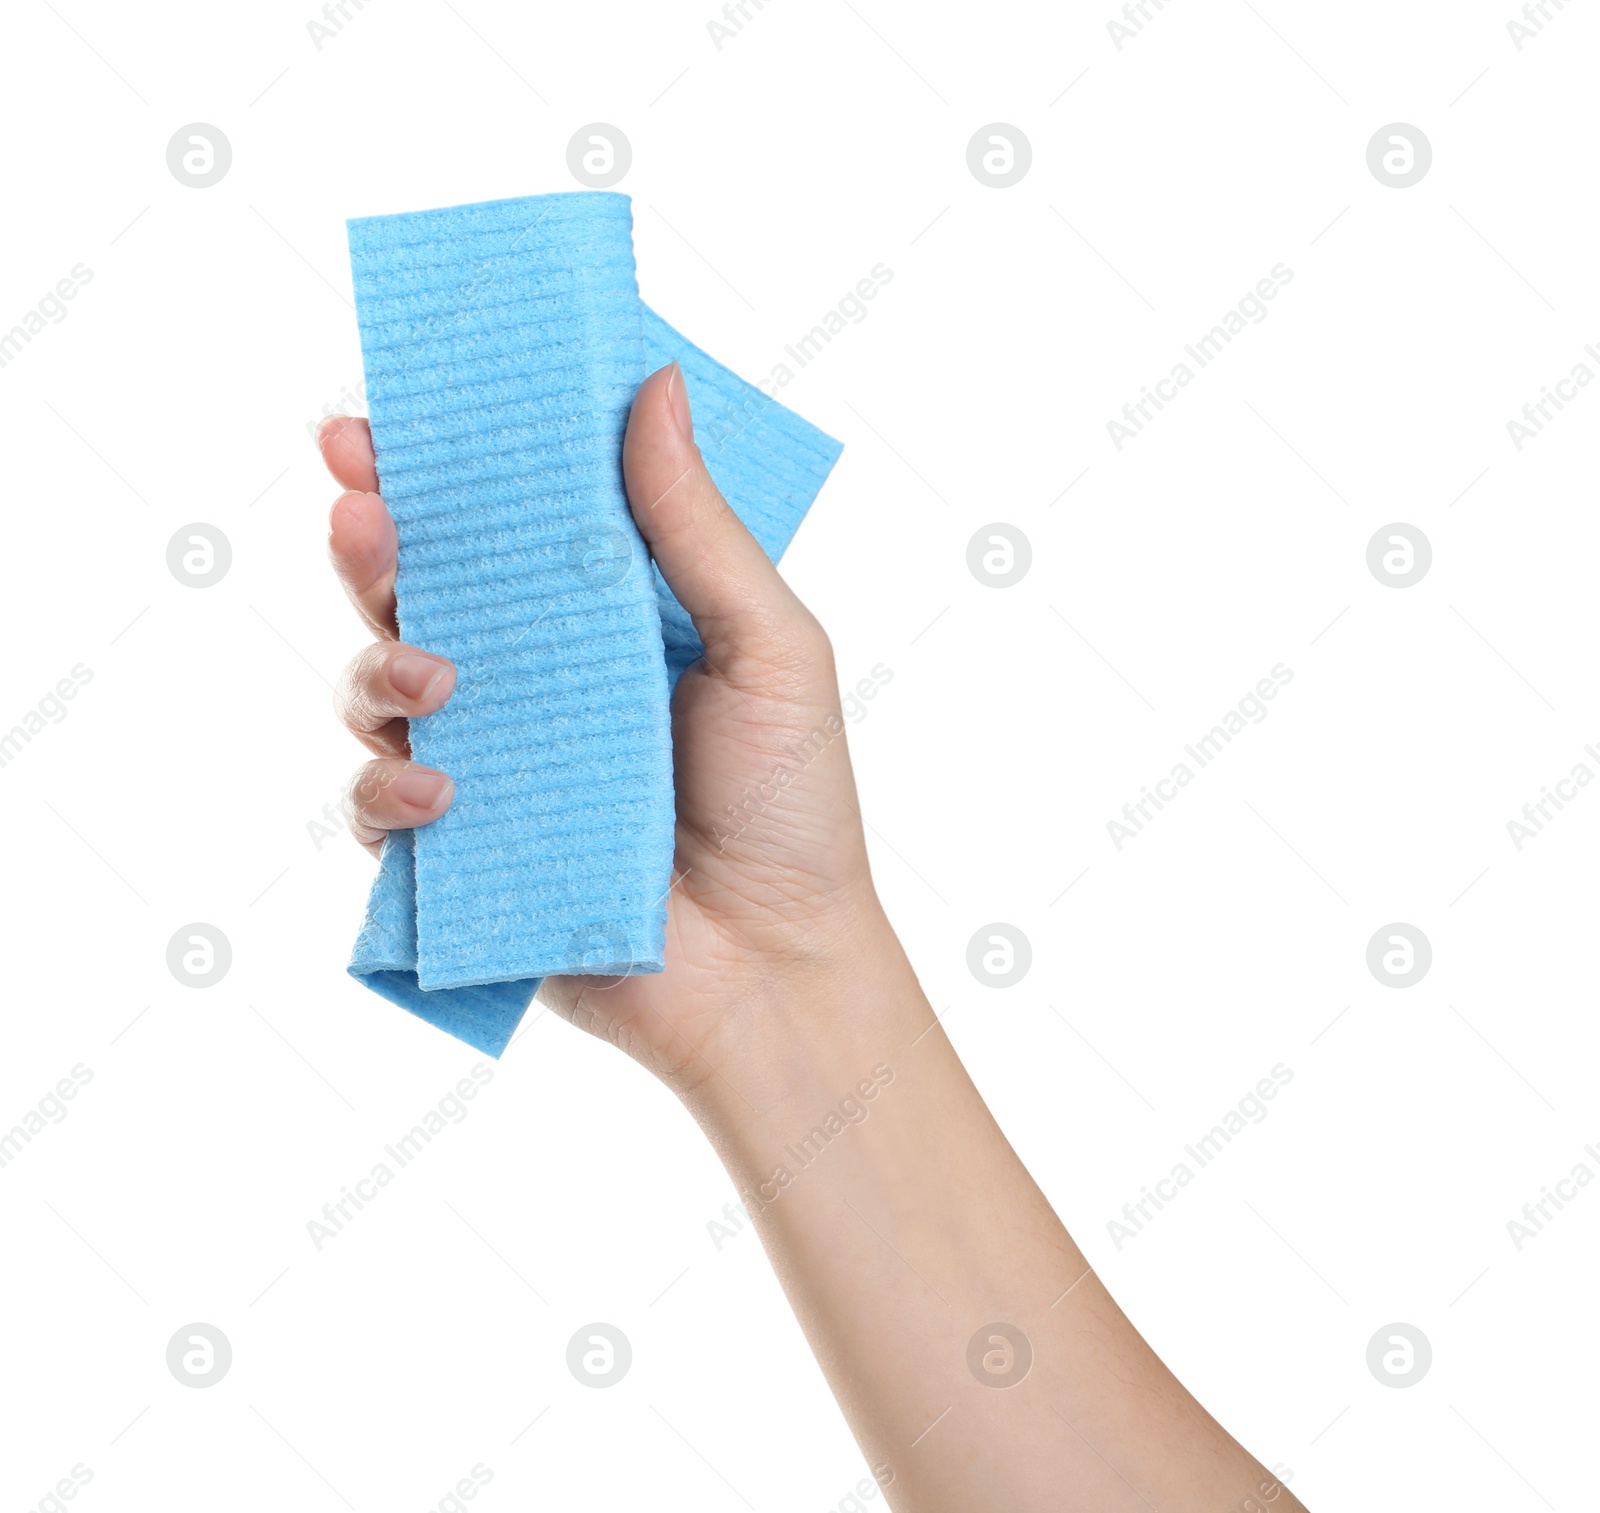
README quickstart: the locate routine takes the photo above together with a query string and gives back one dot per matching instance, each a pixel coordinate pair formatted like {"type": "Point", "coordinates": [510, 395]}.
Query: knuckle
{"type": "Point", "coordinates": [815, 641]}
{"type": "Point", "coordinates": [797, 646]}
{"type": "Point", "coordinates": [354, 698]}
{"type": "Point", "coordinates": [367, 787]}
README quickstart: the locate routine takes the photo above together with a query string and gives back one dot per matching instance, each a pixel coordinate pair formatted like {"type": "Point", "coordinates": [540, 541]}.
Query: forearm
{"type": "Point", "coordinates": [900, 1221]}
{"type": "Point", "coordinates": [901, 1224]}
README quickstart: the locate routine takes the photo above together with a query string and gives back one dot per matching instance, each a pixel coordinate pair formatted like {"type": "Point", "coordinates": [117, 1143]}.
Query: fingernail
{"type": "Point", "coordinates": [678, 397]}
{"type": "Point", "coordinates": [422, 788]}
{"type": "Point", "coordinates": [415, 676]}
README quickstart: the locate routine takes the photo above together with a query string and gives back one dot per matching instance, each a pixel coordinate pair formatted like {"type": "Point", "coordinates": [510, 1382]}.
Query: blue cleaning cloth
{"type": "Point", "coordinates": [502, 344]}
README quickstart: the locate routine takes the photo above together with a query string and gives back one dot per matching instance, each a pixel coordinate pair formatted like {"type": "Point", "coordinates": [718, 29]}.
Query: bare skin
{"type": "Point", "coordinates": [924, 1264]}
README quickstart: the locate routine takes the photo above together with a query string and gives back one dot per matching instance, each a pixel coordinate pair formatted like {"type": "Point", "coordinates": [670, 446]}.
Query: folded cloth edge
{"type": "Point", "coordinates": [769, 463]}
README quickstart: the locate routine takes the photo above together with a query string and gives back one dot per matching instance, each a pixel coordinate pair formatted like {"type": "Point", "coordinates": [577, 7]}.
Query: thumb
{"type": "Point", "coordinates": [744, 613]}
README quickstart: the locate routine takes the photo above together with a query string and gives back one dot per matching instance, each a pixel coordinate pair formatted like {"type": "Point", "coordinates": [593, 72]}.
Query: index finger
{"type": "Point", "coordinates": [365, 552]}
{"type": "Point", "coordinates": [361, 534]}
{"type": "Point", "coordinates": [345, 442]}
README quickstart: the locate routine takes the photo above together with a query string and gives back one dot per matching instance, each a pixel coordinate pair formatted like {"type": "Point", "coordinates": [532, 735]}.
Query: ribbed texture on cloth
{"type": "Point", "coordinates": [503, 344]}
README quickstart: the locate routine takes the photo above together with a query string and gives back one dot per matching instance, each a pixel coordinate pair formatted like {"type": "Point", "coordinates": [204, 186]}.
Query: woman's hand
{"type": "Point", "coordinates": [771, 888]}
{"type": "Point", "coordinates": [923, 1263]}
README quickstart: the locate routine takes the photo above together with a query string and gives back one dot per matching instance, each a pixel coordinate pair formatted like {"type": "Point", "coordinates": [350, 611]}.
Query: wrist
{"type": "Point", "coordinates": [818, 1036]}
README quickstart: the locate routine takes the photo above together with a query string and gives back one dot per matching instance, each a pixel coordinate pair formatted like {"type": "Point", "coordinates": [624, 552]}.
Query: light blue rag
{"type": "Point", "coordinates": [503, 343]}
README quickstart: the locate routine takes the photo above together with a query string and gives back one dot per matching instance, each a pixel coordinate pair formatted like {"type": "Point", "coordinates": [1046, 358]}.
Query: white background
{"type": "Point", "coordinates": [769, 176]}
